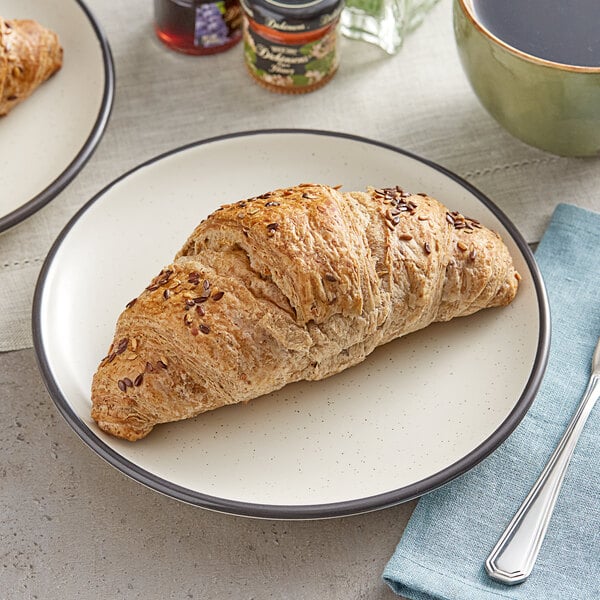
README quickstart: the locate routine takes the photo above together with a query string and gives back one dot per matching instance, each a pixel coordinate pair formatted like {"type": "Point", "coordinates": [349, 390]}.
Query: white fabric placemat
{"type": "Point", "coordinates": [418, 100]}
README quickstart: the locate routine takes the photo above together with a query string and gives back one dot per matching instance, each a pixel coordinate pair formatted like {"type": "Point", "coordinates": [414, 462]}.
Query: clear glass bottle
{"type": "Point", "coordinates": [379, 22]}
{"type": "Point", "coordinates": [384, 23]}
{"type": "Point", "coordinates": [417, 9]}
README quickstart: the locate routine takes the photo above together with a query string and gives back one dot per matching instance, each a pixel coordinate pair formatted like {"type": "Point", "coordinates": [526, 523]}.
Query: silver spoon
{"type": "Point", "coordinates": [514, 555]}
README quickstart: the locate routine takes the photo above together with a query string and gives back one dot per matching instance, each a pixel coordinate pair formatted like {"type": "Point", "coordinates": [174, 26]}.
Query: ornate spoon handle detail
{"type": "Point", "coordinates": [512, 559]}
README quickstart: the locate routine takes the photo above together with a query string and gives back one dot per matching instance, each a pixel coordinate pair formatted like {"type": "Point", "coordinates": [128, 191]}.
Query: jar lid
{"type": "Point", "coordinates": [293, 16]}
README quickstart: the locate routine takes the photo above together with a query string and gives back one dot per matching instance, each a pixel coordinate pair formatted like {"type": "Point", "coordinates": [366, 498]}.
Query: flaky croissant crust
{"type": "Point", "coordinates": [296, 284]}
{"type": "Point", "coordinates": [29, 55]}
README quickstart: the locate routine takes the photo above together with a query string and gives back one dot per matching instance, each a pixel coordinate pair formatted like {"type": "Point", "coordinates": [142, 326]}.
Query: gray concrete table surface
{"type": "Point", "coordinates": [71, 526]}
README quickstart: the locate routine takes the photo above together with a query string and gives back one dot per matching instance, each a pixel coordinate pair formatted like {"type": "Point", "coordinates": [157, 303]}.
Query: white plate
{"type": "Point", "coordinates": [415, 414]}
{"type": "Point", "coordinates": [46, 140]}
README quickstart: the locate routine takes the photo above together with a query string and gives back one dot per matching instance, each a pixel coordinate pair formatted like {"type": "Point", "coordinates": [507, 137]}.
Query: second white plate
{"type": "Point", "coordinates": [46, 140]}
{"type": "Point", "coordinates": [415, 414]}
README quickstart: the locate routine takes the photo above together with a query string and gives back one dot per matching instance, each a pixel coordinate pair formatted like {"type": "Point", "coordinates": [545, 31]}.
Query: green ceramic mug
{"type": "Point", "coordinates": [550, 105]}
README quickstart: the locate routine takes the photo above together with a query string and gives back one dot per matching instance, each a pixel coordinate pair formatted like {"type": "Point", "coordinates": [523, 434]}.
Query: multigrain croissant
{"type": "Point", "coordinates": [29, 54]}
{"type": "Point", "coordinates": [298, 283]}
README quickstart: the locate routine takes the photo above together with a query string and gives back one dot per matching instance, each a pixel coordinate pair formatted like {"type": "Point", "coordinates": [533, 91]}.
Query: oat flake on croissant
{"type": "Point", "coordinates": [295, 284]}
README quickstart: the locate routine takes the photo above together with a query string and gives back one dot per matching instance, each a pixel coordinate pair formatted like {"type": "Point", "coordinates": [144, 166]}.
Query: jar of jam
{"type": "Point", "coordinates": [198, 26]}
{"type": "Point", "coordinates": [291, 46]}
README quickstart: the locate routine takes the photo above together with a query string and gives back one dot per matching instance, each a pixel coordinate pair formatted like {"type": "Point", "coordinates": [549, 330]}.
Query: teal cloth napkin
{"type": "Point", "coordinates": [452, 530]}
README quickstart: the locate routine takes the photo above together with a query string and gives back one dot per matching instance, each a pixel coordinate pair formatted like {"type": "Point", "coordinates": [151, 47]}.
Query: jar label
{"type": "Point", "coordinates": [291, 65]}
{"type": "Point", "coordinates": [215, 23]}
{"type": "Point", "coordinates": [293, 16]}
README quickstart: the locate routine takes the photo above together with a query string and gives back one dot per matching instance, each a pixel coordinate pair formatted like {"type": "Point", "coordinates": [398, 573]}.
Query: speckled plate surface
{"type": "Point", "coordinates": [48, 138]}
{"type": "Point", "coordinates": [418, 412]}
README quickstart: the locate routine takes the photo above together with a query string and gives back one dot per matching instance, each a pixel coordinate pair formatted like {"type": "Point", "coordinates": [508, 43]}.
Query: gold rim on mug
{"type": "Point", "coordinates": [467, 7]}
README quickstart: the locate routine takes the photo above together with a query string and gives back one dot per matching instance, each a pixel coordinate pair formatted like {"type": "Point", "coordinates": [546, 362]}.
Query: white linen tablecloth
{"type": "Point", "coordinates": [418, 100]}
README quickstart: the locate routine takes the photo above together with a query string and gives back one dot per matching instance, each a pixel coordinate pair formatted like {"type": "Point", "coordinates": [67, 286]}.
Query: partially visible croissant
{"type": "Point", "coordinates": [295, 284]}
{"type": "Point", "coordinates": [29, 54]}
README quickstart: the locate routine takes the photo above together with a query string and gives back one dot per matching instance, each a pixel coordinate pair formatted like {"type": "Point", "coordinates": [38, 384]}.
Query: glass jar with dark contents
{"type": "Point", "coordinates": [291, 46]}
{"type": "Point", "coordinates": [198, 26]}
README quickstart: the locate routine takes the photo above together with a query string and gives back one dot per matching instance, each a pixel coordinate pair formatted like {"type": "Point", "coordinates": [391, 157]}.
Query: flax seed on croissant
{"type": "Point", "coordinates": [295, 284]}
{"type": "Point", "coordinates": [29, 55]}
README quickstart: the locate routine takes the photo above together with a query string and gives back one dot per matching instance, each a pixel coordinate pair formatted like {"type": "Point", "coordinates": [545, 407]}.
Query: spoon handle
{"type": "Point", "coordinates": [514, 555]}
